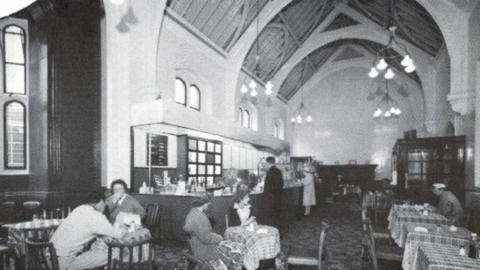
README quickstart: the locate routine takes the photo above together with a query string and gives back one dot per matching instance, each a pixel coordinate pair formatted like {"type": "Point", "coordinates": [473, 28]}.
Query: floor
{"type": "Point", "coordinates": [342, 246]}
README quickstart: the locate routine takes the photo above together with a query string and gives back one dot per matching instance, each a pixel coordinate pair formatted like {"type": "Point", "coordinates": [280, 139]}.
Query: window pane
{"type": "Point", "coordinates": [201, 169]}
{"type": "Point", "coordinates": [275, 130]}
{"type": "Point", "coordinates": [192, 169]}
{"type": "Point", "coordinates": [194, 97]}
{"type": "Point", "coordinates": [15, 139]}
{"type": "Point", "coordinates": [210, 147]}
{"type": "Point", "coordinates": [180, 91]}
{"type": "Point", "coordinates": [201, 157]}
{"type": "Point", "coordinates": [15, 78]}
{"type": "Point", "coordinates": [218, 148]}
{"type": "Point", "coordinates": [246, 119]}
{"type": "Point", "coordinates": [201, 145]}
{"type": "Point", "coordinates": [14, 44]}
{"type": "Point", "coordinates": [192, 144]}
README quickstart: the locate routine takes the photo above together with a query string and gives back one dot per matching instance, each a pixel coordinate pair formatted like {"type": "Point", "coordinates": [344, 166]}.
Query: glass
{"type": "Point", "coordinates": [201, 145]}
{"type": "Point", "coordinates": [201, 169]}
{"type": "Point", "coordinates": [14, 45]}
{"type": "Point", "coordinates": [210, 158]}
{"type": "Point", "coordinates": [15, 78]}
{"type": "Point", "coordinates": [414, 167]}
{"type": "Point", "coordinates": [180, 91]}
{"type": "Point", "coordinates": [218, 159]}
{"type": "Point", "coordinates": [15, 135]}
{"type": "Point", "coordinates": [194, 97]}
{"type": "Point", "coordinates": [192, 144]}
{"type": "Point", "coordinates": [218, 170]}
{"type": "Point", "coordinates": [210, 147]}
{"type": "Point", "coordinates": [415, 155]}
{"type": "Point", "coordinates": [192, 156]}
{"type": "Point", "coordinates": [201, 157]}
{"type": "Point", "coordinates": [210, 169]}
{"type": "Point", "coordinates": [218, 148]}
{"type": "Point", "coordinates": [201, 180]}
{"type": "Point", "coordinates": [192, 169]}
{"type": "Point", "coordinates": [210, 181]}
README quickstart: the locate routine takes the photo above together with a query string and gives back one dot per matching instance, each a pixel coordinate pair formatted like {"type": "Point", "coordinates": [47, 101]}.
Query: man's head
{"type": "Point", "coordinates": [97, 200]}
{"type": "Point", "coordinates": [438, 188]}
{"type": "Point", "coordinates": [270, 161]}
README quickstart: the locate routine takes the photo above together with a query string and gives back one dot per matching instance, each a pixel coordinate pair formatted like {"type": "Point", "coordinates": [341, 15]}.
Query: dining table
{"type": "Point", "coordinates": [261, 242]}
{"type": "Point", "coordinates": [18, 232]}
{"type": "Point", "coordinates": [401, 214]}
{"type": "Point", "coordinates": [433, 256]}
{"type": "Point", "coordinates": [413, 234]}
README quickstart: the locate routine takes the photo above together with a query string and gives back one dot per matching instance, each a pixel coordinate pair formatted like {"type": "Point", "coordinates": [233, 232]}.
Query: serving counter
{"type": "Point", "coordinates": [174, 209]}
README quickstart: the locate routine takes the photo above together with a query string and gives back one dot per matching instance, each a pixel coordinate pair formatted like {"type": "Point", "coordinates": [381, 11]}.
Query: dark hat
{"type": "Point", "coordinates": [201, 200]}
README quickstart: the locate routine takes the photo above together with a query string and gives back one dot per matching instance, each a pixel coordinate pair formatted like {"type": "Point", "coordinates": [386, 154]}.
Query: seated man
{"type": "Point", "coordinates": [448, 204]}
{"type": "Point", "coordinates": [81, 227]}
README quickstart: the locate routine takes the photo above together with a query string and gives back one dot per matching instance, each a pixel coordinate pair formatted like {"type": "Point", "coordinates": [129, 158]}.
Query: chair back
{"type": "Point", "coordinates": [152, 217]}
{"type": "Point", "coordinates": [39, 234]}
{"type": "Point", "coordinates": [40, 255]}
{"type": "Point", "coordinates": [321, 242]}
{"type": "Point", "coordinates": [369, 241]}
{"type": "Point", "coordinates": [131, 256]}
{"type": "Point", "coordinates": [382, 201]}
{"type": "Point", "coordinates": [58, 213]}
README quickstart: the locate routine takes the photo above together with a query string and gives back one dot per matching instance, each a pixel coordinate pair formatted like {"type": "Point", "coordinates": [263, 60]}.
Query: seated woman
{"type": "Point", "coordinates": [239, 214]}
{"type": "Point", "coordinates": [202, 240]}
{"type": "Point", "coordinates": [122, 202]}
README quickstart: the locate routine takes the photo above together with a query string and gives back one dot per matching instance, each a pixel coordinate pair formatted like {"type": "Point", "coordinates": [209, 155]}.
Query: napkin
{"type": "Point", "coordinates": [421, 229]}
{"type": "Point", "coordinates": [262, 231]}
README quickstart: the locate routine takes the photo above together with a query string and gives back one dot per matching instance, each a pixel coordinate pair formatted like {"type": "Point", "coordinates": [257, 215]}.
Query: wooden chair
{"type": "Point", "coordinates": [309, 257]}
{"type": "Point", "coordinates": [39, 234]}
{"type": "Point", "coordinates": [30, 208]}
{"type": "Point", "coordinates": [7, 257]}
{"type": "Point", "coordinates": [131, 263]}
{"type": "Point", "coordinates": [58, 213]}
{"type": "Point", "coordinates": [379, 248]}
{"type": "Point", "coordinates": [472, 221]}
{"type": "Point", "coordinates": [152, 220]}
{"type": "Point", "coordinates": [40, 255]}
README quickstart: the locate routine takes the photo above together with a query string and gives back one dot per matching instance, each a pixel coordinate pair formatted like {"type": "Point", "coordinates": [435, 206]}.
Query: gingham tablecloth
{"type": "Point", "coordinates": [16, 235]}
{"type": "Point", "coordinates": [430, 256]}
{"type": "Point", "coordinates": [231, 254]}
{"type": "Point", "coordinates": [437, 234]}
{"type": "Point", "coordinates": [259, 246]}
{"type": "Point", "coordinates": [399, 216]}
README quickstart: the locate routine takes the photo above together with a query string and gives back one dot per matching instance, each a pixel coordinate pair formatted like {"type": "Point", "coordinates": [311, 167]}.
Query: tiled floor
{"type": "Point", "coordinates": [342, 246]}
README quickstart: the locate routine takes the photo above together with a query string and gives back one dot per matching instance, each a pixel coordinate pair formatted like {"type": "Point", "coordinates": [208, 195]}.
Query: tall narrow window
{"type": "Point", "coordinates": [245, 119]}
{"type": "Point", "coordinates": [14, 132]}
{"type": "Point", "coordinates": [14, 64]}
{"type": "Point", "coordinates": [194, 97]}
{"type": "Point", "coordinates": [180, 91]}
{"type": "Point", "coordinates": [275, 130]}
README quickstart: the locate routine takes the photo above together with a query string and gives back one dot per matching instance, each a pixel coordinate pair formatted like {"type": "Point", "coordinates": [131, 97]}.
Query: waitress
{"type": "Point", "coordinates": [308, 188]}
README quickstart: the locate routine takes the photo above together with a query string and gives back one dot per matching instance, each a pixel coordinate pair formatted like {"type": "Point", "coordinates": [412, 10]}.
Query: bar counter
{"type": "Point", "coordinates": [174, 209]}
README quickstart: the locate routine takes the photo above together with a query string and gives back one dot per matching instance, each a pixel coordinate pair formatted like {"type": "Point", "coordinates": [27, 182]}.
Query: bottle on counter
{"type": "Point", "coordinates": [473, 248]}
{"type": "Point", "coordinates": [462, 251]}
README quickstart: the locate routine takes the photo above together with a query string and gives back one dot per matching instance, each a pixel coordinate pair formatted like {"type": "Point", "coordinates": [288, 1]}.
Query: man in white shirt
{"type": "Point", "coordinates": [75, 232]}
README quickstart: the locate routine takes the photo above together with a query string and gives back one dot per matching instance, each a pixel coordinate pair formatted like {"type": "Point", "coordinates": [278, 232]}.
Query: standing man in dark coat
{"type": "Point", "coordinates": [272, 194]}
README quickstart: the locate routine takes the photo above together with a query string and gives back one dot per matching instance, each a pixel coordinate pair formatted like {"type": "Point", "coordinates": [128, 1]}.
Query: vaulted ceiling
{"type": "Point", "coordinates": [223, 22]}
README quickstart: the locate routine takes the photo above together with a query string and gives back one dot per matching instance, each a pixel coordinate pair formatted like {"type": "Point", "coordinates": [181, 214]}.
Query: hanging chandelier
{"type": "Point", "coordinates": [302, 113]}
{"type": "Point", "coordinates": [380, 64]}
{"type": "Point", "coordinates": [387, 107]}
{"type": "Point", "coordinates": [252, 86]}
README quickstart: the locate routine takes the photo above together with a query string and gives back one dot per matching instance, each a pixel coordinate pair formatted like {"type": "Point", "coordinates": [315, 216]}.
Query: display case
{"type": "Point", "coordinates": [420, 162]}
{"type": "Point", "coordinates": [203, 160]}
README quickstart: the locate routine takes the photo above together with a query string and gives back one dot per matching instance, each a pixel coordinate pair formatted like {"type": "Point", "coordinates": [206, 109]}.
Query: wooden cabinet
{"type": "Point", "coordinates": [420, 162]}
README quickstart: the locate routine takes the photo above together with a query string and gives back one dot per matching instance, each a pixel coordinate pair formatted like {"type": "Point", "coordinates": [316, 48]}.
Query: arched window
{"type": "Point", "coordinates": [245, 118]}
{"type": "Point", "coordinates": [180, 91]}
{"type": "Point", "coordinates": [275, 130]}
{"type": "Point", "coordinates": [194, 97]}
{"type": "Point", "coordinates": [14, 64]}
{"type": "Point", "coordinates": [15, 135]}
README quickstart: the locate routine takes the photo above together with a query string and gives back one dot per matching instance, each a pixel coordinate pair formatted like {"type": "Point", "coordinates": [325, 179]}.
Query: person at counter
{"type": "Point", "coordinates": [272, 193]}
{"type": "Point", "coordinates": [240, 213]}
{"type": "Point", "coordinates": [120, 201]}
{"type": "Point", "coordinates": [308, 182]}
{"type": "Point", "coordinates": [203, 241]}
{"type": "Point", "coordinates": [448, 204]}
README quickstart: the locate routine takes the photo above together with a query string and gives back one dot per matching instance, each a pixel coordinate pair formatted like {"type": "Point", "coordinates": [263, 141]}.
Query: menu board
{"type": "Point", "coordinates": [158, 150]}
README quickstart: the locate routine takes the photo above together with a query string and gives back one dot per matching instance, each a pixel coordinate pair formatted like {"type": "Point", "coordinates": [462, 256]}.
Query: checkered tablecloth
{"type": "Point", "coordinates": [17, 234]}
{"type": "Point", "coordinates": [259, 246]}
{"type": "Point", "coordinates": [437, 234]}
{"type": "Point", "coordinates": [430, 256]}
{"type": "Point", "coordinates": [232, 254]}
{"type": "Point", "coordinates": [398, 216]}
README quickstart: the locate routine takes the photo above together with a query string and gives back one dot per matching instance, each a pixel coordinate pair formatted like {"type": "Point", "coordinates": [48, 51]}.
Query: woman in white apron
{"type": "Point", "coordinates": [308, 188]}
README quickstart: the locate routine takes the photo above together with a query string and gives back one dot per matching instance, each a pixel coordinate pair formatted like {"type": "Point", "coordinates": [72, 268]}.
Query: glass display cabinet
{"type": "Point", "coordinates": [420, 162]}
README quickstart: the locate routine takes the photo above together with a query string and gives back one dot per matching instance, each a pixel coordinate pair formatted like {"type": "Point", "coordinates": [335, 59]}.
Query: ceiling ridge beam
{"type": "Point", "coordinates": [295, 39]}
